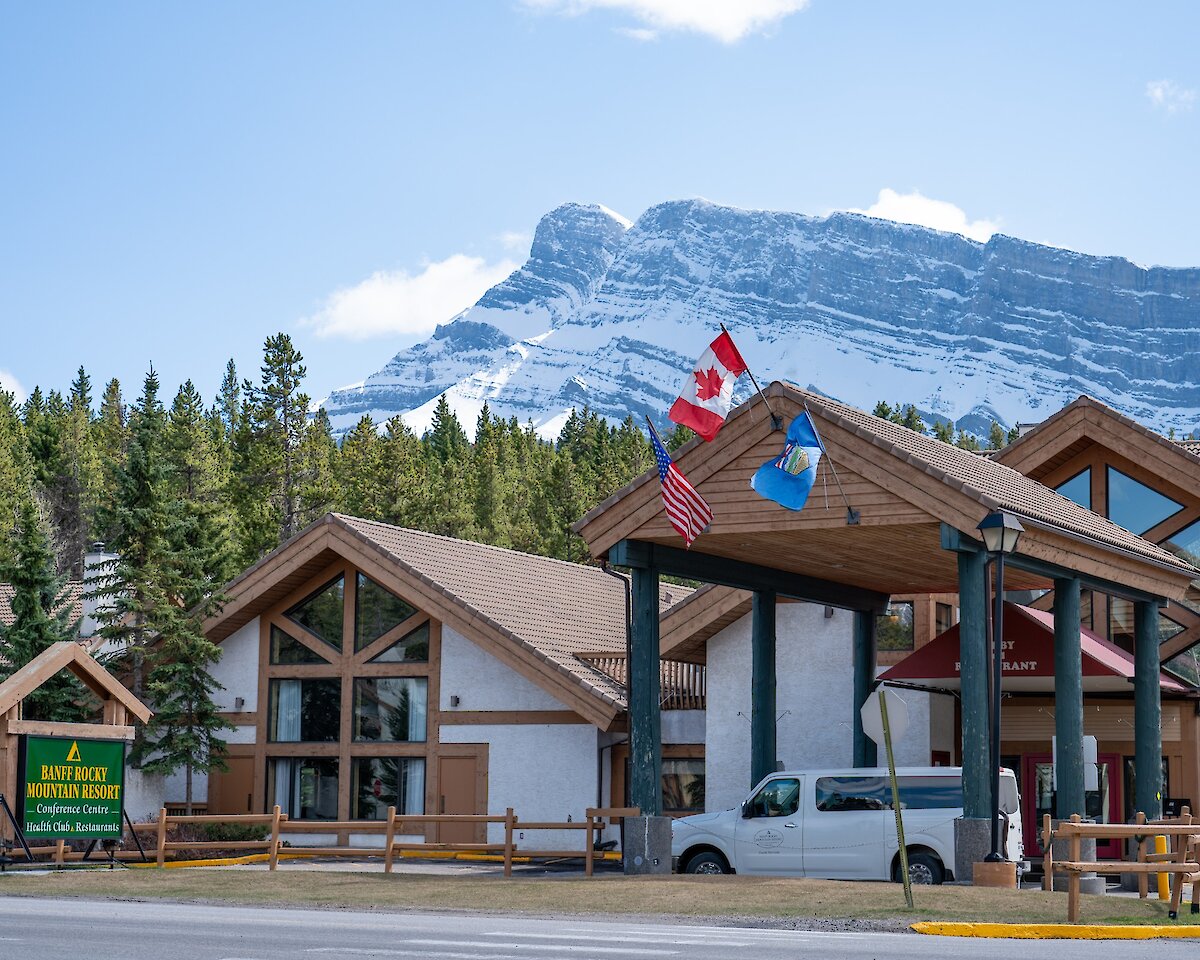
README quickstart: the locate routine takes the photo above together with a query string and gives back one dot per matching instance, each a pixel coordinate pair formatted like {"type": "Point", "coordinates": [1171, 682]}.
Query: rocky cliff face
{"type": "Point", "coordinates": [860, 309]}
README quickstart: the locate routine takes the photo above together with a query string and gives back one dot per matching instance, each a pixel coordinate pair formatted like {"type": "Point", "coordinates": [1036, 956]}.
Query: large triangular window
{"type": "Point", "coordinates": [1078, 488]}
{"type": "Point", "coordinates": [1186, 543]}
{"type": "Point", "coordinates": [411, 648]}
{"type": "Point", "coordinates": [1134, 505]}
{"type": "Point", "coordinates": [322, 612]}
{"type": "Point", "coordinates": [377, 611]}
{"type": "Point", "coordinates": [287, 649]}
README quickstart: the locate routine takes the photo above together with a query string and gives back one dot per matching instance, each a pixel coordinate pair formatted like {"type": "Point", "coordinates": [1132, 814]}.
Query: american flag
{"type": "Point", "coordinates": [686, 509]}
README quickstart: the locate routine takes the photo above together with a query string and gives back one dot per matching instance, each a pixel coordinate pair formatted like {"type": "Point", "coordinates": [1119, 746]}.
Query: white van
{"type": "Point", "coordinates": [839, 825]}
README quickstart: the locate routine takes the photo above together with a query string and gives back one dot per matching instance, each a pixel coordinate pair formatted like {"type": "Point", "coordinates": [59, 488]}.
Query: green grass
{"type": "Point", "coordinates": [762, 898]}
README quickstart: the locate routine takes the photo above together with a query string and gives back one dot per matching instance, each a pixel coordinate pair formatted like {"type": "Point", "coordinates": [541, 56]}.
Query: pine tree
{"type": "Point", "coordinates": [996, 438]}
{"type": "Point", "coordinates": [110, 437]}
{"type": "Point", "coordinates": [42, 617]}
{"type": "Point", "coordinates": [944, 430]}
{"type": "Point", "coordinates": [318, 470]}
{"type": "Point", "coordinates": [229, 399]}
{"type": "Point", "coordinates": [15, 472]}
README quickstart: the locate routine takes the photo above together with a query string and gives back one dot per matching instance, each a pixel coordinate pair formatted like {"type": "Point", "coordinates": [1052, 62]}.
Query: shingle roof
{"type": "Point", "coordinates": [72, 600]}
{"type": "Point", "coordinates": [996, 486]}
{"type": "Point", "coordinates": [553, 608]}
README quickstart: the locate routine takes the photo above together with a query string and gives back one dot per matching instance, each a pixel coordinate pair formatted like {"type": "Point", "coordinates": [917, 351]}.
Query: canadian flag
{"type": "Point", "coordinates": [707, 395]}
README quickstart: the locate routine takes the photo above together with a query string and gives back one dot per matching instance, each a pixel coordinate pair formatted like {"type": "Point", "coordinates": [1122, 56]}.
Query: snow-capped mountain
{"type": "Point", "coordinates": [613, 314]}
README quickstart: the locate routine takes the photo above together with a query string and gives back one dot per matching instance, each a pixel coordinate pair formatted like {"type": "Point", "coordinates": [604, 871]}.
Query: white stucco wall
{"type": "Point", "coordinates": [237, 670]}
{"type": "Point", "coordinates": [543, 771]}
{"type": "Point", "coordinates": [481, 682]}
{"type": "Point", "coordinates": [144, 794]}
{"type": "Point", "coordinates": [683, 726]}
{"type": "Point", "coordinates": [815, 673]}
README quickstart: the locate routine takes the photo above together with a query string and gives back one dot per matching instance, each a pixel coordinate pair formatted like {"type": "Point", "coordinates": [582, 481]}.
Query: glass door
{"type": "Point", "coordinates": [1101, 805]}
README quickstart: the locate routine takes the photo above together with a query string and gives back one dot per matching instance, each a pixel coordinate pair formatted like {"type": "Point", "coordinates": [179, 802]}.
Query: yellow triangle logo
{"type": "Point", "coordinates": [73, 753]}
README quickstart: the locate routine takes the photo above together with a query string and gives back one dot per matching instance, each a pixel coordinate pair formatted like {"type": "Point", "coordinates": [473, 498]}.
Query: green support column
{"type": "Point", "coordinates": [645, 728]}
{"type": "Point", "coordinates": [973, 659]}
{"type": "Point", "coordinates": [1147, 711]}
{"type": "Point", "coordinates": [762, 686]}
{"type": "Point", "coordinates": [864, 681]}
{"type": "Point", "coordinates": [1068, 700]}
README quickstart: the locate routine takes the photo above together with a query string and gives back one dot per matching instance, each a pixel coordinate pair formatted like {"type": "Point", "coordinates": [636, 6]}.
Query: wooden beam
{"type": "Point", "coordinates": [81, 731]}
{"type": "Point", "coordinates": [747, 576]}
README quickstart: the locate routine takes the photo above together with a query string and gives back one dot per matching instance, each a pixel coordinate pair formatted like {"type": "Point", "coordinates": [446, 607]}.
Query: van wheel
{"type": "Point", "coordinates": [924, 869]}
{"type": "Point", "coordinates": [707, 863]}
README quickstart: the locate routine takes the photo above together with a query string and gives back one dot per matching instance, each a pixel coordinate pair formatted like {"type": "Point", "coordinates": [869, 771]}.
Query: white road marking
{"type": "Point", "coordinates": [559, 948]}
{"type": "Point", "coordinates": [657, 936]}
{"type": "Point", "coordinates": [382, 952]}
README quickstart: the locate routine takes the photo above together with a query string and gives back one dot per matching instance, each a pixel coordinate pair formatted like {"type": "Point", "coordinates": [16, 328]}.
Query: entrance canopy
{"type": "Point", "coordinates": [1028, 659]}
{"type": "Point", "coordinates": [918, 501]}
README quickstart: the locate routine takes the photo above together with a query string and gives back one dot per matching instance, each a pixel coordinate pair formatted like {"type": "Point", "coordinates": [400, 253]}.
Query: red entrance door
{"type": "Point", "coordinates": [1103, 805]}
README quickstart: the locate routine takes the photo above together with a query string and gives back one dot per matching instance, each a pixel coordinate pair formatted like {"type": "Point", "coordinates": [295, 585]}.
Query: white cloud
{"type": "Point", "coordinates": [939, 214]}
{"type": "Point", "coordinates": [398, 302]}
{"type": "Point", "coordinates": [1169, 96]}
{"type": "Point", "coordinates": [12, 385]}
{"type": "Point", "coordinates": [725, 20]}
{"type": "Point", "coordinates": [640, 34]}
{"type": "Point", "coordinates": [516, 242]}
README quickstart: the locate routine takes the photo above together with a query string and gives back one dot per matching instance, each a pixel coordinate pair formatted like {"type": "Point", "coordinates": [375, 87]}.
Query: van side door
{"type": "Point", "coordinates": [769, 836]}
{"type": "Point", "coordinates": [844, 822]}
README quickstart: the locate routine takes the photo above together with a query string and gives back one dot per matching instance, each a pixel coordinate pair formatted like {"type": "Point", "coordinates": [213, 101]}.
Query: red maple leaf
{"type": "Point", "coordinates": [708, 383]}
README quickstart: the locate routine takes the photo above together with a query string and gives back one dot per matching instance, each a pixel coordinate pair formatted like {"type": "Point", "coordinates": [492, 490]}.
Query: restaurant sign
{"type": "Point", "coordinates": [72, 787]}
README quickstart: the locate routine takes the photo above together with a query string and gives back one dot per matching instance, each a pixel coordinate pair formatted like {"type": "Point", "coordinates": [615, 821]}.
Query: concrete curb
{"type": "Point", "coordinates": [1056, 931]}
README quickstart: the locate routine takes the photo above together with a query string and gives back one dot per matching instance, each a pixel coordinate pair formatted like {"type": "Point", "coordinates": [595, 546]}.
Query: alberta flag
{"type": "Point", "coordinates": [788, 478]}
{"type": "Point", "coordinates": [707, 394]}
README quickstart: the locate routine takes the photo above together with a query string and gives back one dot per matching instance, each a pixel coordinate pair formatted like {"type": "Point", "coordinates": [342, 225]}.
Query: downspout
{"type": "Point", "coordinates": [628, 650]}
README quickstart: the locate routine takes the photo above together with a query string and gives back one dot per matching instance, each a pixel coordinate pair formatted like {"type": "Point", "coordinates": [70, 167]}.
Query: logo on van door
{"type": "Point", "coordinates": [765, 839]}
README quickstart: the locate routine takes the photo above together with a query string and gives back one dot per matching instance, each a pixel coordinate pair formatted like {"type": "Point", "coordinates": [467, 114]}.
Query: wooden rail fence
{"type": "Point", "coordinates": [1182, 864]}
{"type": "Point", "coordinates": [278, 826]}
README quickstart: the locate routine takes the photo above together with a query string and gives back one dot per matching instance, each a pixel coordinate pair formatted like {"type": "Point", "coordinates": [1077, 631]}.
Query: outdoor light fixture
{"type": "Point", "coordinates": [1000, 532]}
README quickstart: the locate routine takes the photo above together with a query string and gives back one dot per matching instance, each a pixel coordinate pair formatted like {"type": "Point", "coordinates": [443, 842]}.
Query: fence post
{"type": "Point", "coordinates": [162, 835]}
{"type": "Point", "coordinates": [274, 846]}
{"type": "Point", "coordinates": [1143, 879]}
{"type": "Point", "coordinates": [1047, 853]}
{"type": "Point", "coordinates": [589, 852]}
{"type": "Point", "coordinates": [60, 852]}
{"type": "Point", "coordinates": [388, 839]}
{"type": "Point", "coordinates": [1073, 875]}
{"type": "Point", "coordinates": [509, 823]}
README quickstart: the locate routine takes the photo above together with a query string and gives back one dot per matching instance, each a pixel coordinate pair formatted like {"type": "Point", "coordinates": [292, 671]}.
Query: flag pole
{"type": "Point", "coordinates": [776, 420]}
{"type": "Point", "coordinates": [852, 516]}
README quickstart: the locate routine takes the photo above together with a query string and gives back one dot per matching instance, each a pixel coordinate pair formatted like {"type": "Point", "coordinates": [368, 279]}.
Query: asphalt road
{"type": "Point", "coordinates": [37, 929]}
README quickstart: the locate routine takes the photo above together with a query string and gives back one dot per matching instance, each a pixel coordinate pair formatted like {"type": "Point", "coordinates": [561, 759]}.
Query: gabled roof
{"type": "Point", "coordinates": [66, 655]}
{"type": "Point", "coordinates": [1085, 421]}
{"type": "Point", "coordinates": [910, 488]}
{"type": "Point", "coordinates": [542, 611]}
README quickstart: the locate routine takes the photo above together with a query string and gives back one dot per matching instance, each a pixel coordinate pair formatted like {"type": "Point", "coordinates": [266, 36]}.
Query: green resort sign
{"type": "Point", "coordinates": [72, 787]}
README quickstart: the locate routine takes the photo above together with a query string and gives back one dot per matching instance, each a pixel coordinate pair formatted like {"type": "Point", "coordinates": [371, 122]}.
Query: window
{"type": "Point", "coordinates": [376, 611]}
{"type": "Point", "coordinates": [1120, 622]}
{"type": "Point", "coordinates": [413, 647]}
{"type": "Point", "coordinates": [1136, 506]}
{"type": "Point", "coordinates": [683, 785]}
{"type": "Point", "coordinates": [1186, 543]}
{"type": "Point", "coordinates": [840, 794]}
{"type": "Point", "coordinates": [286, 649]}
{"type": "Point", "coordinates": [306, 788]}
{"type": "Point", "coordinates": [1078, 488]}
{"type": "Point", "coordinates": [390, 708]}
{"type": "Point", "coordinates": [779, 798]}
{"type": "Point", "coordinates": [1185, 666]}
{"type": "Point", "coordinates": [381, 782]}
{"type": "Point", "coordinates": [1085, 609]}
{"type": "Point", "coordinates": [304, 711]}
{"type": "Point", "coordinates": [894, 629]}
{"type": "Point", "coordinates": [943, 615]}
{"type": "Point", "coordinates": [322, 613]}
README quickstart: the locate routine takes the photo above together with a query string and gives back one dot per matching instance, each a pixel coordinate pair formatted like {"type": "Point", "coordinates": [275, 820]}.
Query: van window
{"type": "Point", "coordinates": [835, 794]}
{"type": "Point", "coordinates": [779, 798]}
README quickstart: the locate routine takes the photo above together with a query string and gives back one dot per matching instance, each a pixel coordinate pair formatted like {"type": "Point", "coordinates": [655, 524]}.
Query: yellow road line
{"type": "Point", "coordinates": [1056, 931]}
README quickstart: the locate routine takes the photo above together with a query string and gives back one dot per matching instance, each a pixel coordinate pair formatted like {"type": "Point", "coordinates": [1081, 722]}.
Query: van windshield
{"type": "Point", "coordinates": [1010, 802]}
{"type": "Point", "coordinates": [839, 794]}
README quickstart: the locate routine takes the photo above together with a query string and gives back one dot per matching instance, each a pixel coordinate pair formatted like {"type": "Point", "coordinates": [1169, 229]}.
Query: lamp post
{"type": "Point", "coordinates": [1000, 532]}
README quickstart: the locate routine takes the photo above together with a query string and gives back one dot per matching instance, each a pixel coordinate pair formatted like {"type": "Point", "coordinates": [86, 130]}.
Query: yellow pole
{"type": "Point", "coordinates": [1164, 881]}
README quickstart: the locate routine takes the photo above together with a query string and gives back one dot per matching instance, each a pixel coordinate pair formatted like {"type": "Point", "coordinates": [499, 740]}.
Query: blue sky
{"type": "Point", "coordinates": [181, 180]}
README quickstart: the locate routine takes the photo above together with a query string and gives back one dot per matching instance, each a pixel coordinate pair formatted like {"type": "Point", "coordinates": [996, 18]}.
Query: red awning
{"type": "Point", "coordinates": [1028, 659]}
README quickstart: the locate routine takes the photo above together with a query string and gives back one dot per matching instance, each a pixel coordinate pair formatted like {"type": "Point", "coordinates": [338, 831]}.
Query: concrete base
{"type": "Point", "coordinates": [1001, 873]}
{"type": "Point", "coordinates": [972, 842]}
{"type": "Point", "coordinates": [1088, 882]}
{"type": "Point", "coordinates": [647, 845]}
